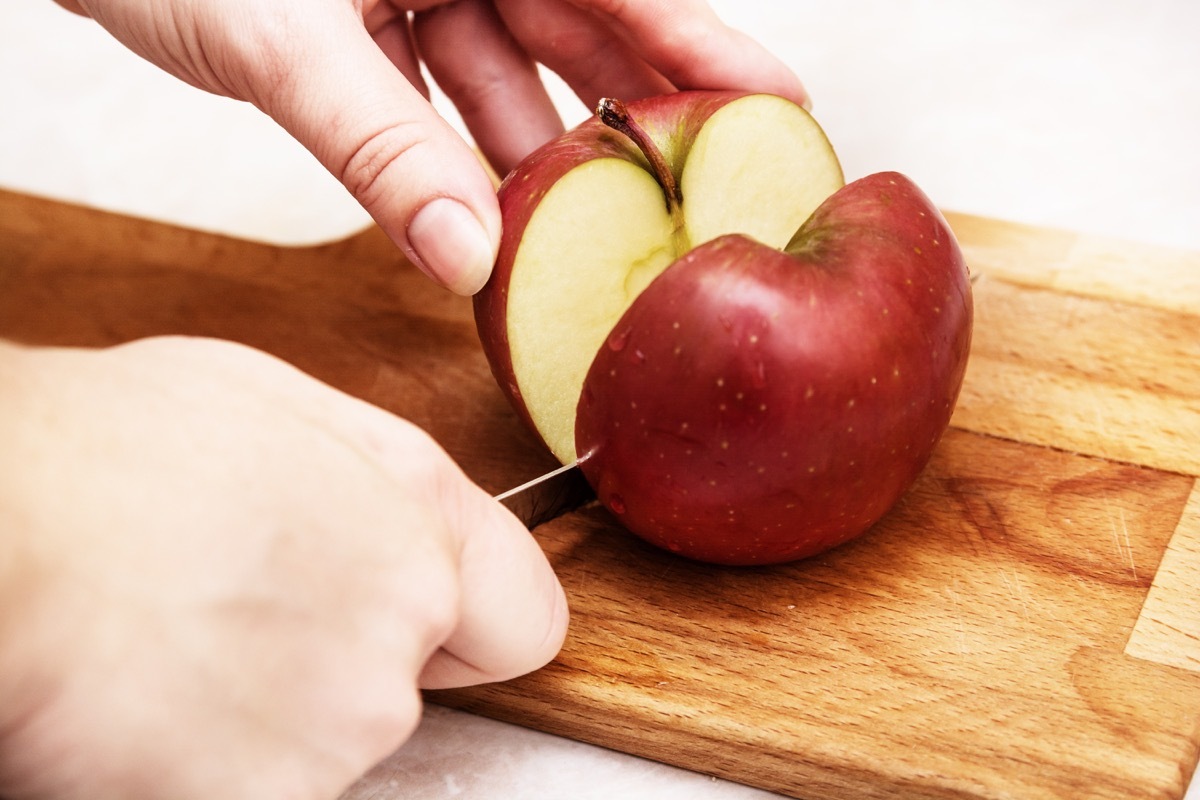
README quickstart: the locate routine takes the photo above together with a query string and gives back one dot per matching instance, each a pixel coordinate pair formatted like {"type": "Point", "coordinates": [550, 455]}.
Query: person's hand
{"type": "Point", "coordinates": [343, 77]}
{"type": "Point", "coordinates": [221, 578]}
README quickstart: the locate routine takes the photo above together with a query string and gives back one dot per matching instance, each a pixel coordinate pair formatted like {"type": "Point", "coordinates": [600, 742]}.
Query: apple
{"type": "Point", "coordinates": [751, 361]}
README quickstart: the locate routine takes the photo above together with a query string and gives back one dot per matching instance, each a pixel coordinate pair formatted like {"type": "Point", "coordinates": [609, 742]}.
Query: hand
{"type": "Point", "coordinates": [219, 577]}
{"type": "Point", "coordinates": [343, 77]}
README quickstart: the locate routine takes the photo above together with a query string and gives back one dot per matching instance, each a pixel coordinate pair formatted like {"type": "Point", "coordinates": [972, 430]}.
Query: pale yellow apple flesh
{"type": "Point", "coordinates": [759, 166]}
{"type": "Point", "coordinates": [600, 235]}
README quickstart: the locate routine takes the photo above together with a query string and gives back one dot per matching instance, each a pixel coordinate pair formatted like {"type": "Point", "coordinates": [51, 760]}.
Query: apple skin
{"type": "Point", "coordinates": [755, 406]}
{"type": "Point", "coordinates": [673, 120]}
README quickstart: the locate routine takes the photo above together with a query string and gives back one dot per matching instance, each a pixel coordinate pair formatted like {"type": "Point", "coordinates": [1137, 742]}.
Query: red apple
{"type": "Point", "coordinates": [757, 406]}
{"type": "Point", "coordinates": [739, 392]}
{"type": "Point", "coordinates": [587, 227]}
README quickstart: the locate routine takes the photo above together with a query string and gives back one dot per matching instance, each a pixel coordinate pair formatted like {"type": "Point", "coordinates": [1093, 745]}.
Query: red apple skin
{"type": "Point", "coordinates": [756, 406]}
{"type": "Point", "coordinates": [671, 120]}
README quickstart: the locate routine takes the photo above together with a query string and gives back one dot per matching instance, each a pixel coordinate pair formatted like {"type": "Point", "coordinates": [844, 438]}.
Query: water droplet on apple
{"type": "Point", "coordinates": [618, 339]}
{"type": "Point", "coordinates": [758, 378]}
{"type": "Point", "coordinates": [616, 504]}
{"type": "Point", "coordinates": [638, 357]}
{"type": "Point", "coordinates": [726, 322]}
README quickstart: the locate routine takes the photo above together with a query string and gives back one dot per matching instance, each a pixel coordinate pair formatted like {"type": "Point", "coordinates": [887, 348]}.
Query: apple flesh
{"type": "Point", "coordinates": [758, 406]}
{"type": "Point", "coordinates": [587, 228]}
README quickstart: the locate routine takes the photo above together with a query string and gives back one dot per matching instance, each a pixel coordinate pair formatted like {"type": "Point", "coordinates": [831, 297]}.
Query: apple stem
{"type": "Point", "coordinates": [615, 115]}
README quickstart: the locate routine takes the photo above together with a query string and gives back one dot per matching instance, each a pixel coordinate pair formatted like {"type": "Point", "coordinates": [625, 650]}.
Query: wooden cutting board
{"type": "Point", "coordinates": [1024, 624]}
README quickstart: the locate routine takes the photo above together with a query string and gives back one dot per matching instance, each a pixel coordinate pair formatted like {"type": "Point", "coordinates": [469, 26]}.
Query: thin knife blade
{"type": "Point", "coordinates": [547, 496]}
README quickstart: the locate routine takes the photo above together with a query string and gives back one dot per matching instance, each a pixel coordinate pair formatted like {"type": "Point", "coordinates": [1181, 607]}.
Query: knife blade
{"type": "Point", "coordinates": [548, 496]}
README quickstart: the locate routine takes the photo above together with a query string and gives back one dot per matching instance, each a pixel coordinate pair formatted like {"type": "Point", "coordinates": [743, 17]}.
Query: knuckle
{"type": "Point", "coordinates": [258, 63]}
{"type": "Point", "coordinates": [439, 604]}
{"type": "Point", "coordinates": [390, 722]}
{"type": "Point", "coordinates": [474, 91]}
{"type": "Point", "coordinates": [380, 152]}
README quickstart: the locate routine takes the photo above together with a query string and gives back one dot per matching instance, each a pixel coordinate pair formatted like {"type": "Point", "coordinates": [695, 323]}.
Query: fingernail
{"type": "Point", "coordinates": [451, 246]}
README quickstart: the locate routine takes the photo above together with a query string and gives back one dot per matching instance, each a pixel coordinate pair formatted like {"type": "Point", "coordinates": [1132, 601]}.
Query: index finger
{"type": "Point", "coordinates": [693, 48]}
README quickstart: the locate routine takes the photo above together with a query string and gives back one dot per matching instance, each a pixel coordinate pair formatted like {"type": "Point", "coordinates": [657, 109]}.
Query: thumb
{"type": "Point", "coordinates": [340, 96]}
{"type": "Point", "coordinates": [513, 612]}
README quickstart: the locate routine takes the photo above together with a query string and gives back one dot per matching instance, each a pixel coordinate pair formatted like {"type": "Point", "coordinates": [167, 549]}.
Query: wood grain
{"type": "Point", "coordinates": [1072, 263]}
{"type": "Point", "coordinates": [1106, 378]}
{"type": "Point", "coordinates": [1168, 628]}
{"type": "Point", "coordinates": [1020, 626]}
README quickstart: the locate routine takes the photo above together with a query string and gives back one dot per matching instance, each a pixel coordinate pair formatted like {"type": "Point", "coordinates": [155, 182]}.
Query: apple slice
{"type": "Point", "coordinates": [588, 227]}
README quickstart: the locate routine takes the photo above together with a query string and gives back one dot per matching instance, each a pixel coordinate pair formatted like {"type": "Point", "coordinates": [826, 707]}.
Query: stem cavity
{"type": "Point", "coordinates": [615, 115]}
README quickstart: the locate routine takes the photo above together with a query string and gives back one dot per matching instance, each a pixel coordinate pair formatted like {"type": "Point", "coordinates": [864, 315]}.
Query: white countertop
{"type": "Point", "coordinates": [1073, 114]}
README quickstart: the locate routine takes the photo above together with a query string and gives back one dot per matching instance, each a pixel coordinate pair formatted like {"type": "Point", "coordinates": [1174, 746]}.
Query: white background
{"type": "Point", "coordinates": [1081, 115]}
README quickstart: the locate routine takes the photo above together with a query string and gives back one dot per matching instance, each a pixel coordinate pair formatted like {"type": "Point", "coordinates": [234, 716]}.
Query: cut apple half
{"type": "Point", "coordinates": [606, 227]}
